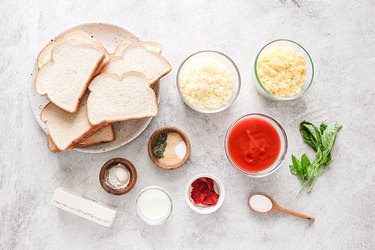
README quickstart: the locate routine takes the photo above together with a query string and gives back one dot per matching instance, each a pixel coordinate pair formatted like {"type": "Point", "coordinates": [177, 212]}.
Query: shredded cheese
{"type": "Point", "coordinates": [206, 84]}
{"type": "Point", "coordinates": [282, 71]}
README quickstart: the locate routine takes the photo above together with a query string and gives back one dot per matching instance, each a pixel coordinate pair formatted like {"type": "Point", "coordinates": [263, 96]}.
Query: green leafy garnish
{"type": "Point", "coordinates": [321, 140]}
{"type": "Point", "coordinates": [159, 145]}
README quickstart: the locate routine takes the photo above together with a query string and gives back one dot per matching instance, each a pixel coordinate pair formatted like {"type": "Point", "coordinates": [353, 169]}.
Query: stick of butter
{"type": "Point", "coordinates": [84, 207]}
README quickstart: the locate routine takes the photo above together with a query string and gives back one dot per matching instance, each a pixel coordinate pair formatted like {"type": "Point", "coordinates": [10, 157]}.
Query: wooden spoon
{"type": "Point", "coordinates": [276, 208]}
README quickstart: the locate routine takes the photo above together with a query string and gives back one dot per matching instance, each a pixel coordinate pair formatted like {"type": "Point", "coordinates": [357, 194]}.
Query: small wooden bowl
{"type": "Point", "coordinates": [169, 130]}
{"type": "Point", "coordinates": [128, 165]}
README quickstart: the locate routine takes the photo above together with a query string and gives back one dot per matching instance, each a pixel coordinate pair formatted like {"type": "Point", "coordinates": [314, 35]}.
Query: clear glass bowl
{"type": "Point", "coordinates": [283, 148]}
{"type": "Point", "coordinates": [148, 220]}
{"type": "Point", "coordinates": [284, 43]}
{"type": "Point", "coordinates": [227, 62]}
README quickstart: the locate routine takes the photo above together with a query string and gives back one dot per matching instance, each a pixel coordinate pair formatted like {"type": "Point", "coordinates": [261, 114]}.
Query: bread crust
{"type": "Point", "coordinates": [152, 81]}
{"type": "Point", "coordinates": [61, 39]}
{"type": "Point", "coordinates": [99, 68]}
{"type": "Point", "coordinates": [77, 141]}
{"type": "Point", "coordinates": [92, 75]}
{"type": "Point", "coordinates": [51, 145]}
{"type": "Point", "coordinates": [85, 144]}
{"type": "Point", "coordinates": [108, 122]}
{"type": "Point", "coordinates": [94, 42]}
{"type": "Point", "coordinates": [122, 46]}
{"type": "Point", "coordinates": [38, 59]}
{"type": "Point", "coordinates": [64, 36]}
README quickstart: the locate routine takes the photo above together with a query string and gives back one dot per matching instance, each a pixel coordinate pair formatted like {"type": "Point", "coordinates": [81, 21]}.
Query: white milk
{"type": "Point", "coordinates": [260, 203]}
{"type": "Point", "coordinates": [154, 205]}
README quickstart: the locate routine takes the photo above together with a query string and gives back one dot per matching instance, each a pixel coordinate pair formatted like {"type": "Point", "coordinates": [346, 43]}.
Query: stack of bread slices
{"type": "Point", "coordinates": [90, 89]}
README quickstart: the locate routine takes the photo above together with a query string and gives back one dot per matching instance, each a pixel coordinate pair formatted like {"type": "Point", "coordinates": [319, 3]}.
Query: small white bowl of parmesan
{"type": "Point", "coordinates": [208, 81]}
{"type": "Point", "coordinates": [283, 70]}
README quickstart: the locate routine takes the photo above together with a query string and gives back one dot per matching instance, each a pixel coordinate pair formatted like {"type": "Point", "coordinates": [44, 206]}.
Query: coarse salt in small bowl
{"type": "Point", "coordinates": [202, 209]}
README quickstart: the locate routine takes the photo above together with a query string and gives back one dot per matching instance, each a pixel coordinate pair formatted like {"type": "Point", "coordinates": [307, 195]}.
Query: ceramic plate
{"type": "Point", "coordinates": [110, 36]}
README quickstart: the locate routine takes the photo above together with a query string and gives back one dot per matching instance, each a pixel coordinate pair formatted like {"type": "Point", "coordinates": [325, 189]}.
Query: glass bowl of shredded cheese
{"type": "Point", "coordinates": [283, 70]}
{"type": "Point", "coordinates": [208, 81]}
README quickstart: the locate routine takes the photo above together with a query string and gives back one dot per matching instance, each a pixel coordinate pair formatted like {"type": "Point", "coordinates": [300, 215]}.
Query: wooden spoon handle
{"type": "Point", "coordinates": [299, 215]}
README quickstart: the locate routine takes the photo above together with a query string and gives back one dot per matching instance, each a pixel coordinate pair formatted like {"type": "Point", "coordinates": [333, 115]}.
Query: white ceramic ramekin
{"type": "Point", "coordinates": [219, 188]}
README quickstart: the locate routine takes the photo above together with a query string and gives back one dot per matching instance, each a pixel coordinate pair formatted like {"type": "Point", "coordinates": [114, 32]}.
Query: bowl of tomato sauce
{"type": "Point", "coordinates": [256, 145]}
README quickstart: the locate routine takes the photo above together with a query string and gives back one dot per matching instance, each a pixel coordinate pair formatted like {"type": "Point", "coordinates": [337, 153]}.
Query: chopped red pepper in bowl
{"type": "Point", "coordinates": [203, 192]}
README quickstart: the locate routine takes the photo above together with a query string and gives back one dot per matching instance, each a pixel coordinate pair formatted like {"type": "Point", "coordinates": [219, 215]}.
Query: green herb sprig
{"type": "Point", "coordinates": [159, 145]}
{"type": "Point", "coordinates": [321, 140]}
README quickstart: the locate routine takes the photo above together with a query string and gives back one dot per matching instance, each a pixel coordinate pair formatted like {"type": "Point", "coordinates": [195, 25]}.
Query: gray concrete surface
{"type": "Point", "coordinates": [339, 35]}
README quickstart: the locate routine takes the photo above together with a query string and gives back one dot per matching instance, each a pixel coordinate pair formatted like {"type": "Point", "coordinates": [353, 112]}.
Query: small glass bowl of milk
{"type": "Point", "coordinates": [154, 205]}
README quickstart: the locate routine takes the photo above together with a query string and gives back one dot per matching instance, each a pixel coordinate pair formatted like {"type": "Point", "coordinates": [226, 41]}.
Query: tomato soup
{"type": "Point", "coordinates": [253, 144]}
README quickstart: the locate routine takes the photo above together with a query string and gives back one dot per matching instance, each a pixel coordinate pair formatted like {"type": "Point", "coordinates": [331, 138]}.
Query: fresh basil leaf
{"type": "Point", "coordinates": [305, 162]}
{"type": "Point", "coordinates": [318, 156]}
{"type": "Point", "coordinates": [329, 136]}
{"type": "Point", "coordinates": [323, 127]}
{"type": "Point", "coordinates": [322, 140]}
{"type": "Point", "coordinates": [310, 171]}
{"type": "Point", "coordinates": [328, 160]}
{"type": "Point", "coordinates": [311, 135]}
{"type": "Point", "coordinates": [306, 135]}
{"type": "Point", "coordinates": [296, 167]}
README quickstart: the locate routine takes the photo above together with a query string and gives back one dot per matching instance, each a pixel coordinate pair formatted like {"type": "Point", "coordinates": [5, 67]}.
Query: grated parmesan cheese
{"type": "Point", "coordinates": [206, 84]}
{"type": "Point", "coordinates": [282, 71]}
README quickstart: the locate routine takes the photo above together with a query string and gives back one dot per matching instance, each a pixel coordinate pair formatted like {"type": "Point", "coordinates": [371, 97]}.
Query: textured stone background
{"type": "Point", "coordinates": [339, 35]}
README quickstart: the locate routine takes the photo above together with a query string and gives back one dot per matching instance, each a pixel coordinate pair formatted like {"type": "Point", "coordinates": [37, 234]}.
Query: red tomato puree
{"type": "Point", "coordinates": [253, 144]}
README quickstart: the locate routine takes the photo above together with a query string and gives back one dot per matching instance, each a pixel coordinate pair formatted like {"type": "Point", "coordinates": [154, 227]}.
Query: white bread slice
{"type": "Point", "coordinates": [52, 146]}
{"type": "Point", "coordinates": [65, 78]}
{"type": "Point", "coordinates": [75, 36]}
{"type": "Point", "coordinates": [67, 129]}
{"type": "Point", "coordinates": [121, 47]}
{"type": "Point", "coordinates": [106, 134]}
{"type": "Point", "coordinates": [151, 46]}
{"type": "Point", "coordinates": [114, 99]}
{"type": "Point", "coordinates": [138, 58]}
{"type": "Point", "coordinates": [44, 55]}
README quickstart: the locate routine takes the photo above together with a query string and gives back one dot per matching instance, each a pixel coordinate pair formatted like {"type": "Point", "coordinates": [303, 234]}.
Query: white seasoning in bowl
{"type": "Point", "coordinates": [117, 176]}
{"type": "Point", "coordinates": [180, 150]}
{"type": "Point", "coordinates": [206, 84]}
{"type": "Point", "coordinates": [175, 150]}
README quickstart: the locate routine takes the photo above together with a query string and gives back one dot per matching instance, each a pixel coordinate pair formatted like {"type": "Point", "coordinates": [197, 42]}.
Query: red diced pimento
{"type": "Point", "coordinates": [203, 192]}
